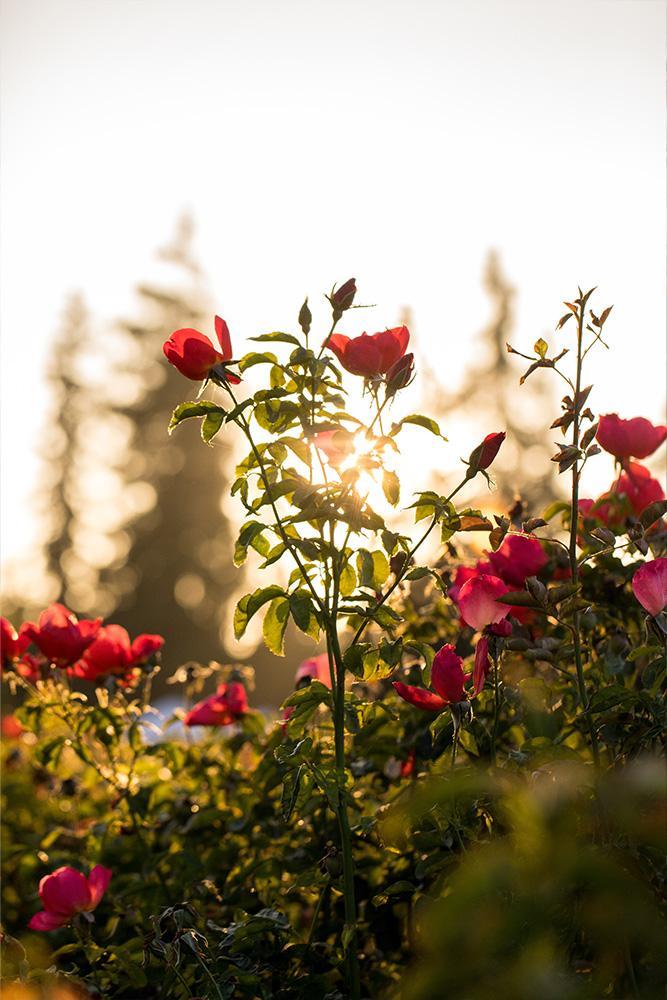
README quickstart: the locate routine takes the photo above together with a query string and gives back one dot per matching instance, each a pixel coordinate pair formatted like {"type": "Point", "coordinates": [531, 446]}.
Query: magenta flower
{"type": "Point", "coordinates": [636, 438]}
{"type": "Point", "coordinates": [519, 557]}
{"type": "Point", "coordinates": [66, 892]}
{"type": "Point", "coordinates": [650, 586]}
{"type": "Point", "coordinates": [477, 601]}
{"type": "Point", "coordinates": [228, 704]}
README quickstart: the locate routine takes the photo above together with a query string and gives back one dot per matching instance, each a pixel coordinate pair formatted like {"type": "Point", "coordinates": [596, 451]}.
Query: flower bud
{"type": "Point", "coordinates": [400, 374]}
{"type": "Point", "coordinates": [482, 456]}
{"type": "Point", "coordinates": [342, 298]}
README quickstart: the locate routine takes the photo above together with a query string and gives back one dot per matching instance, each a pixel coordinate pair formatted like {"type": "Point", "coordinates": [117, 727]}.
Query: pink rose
{"type": "Point", "coordinates": [650, 586]}
{"type": "Point", "coordinates": [67, 892]}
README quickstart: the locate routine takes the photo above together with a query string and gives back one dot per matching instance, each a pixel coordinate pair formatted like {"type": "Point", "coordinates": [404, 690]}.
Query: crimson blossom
{"type": "Point", "coordinates": [448, 681]}
{"type": "Point", "coordinates": [519, 557]}
{"type": "Point", "coordinates": [635, 438]}
{"type": "Point", "coordinates": [60, 636]}
{"type": "Point", "coordinates": [650, 586]}
{"type": "Point", "coordinates": [370, 355]}
{"type": "Point", "coordinates": [66, 892]}
{"type": "Point", "coordinates": [315, 668]}
{"type": "Point", "coordinates": [194, 355]}
{"type": "Point", "coordinates": [228, 704]}
{"type": "Point", "coordinates": [111, 652]}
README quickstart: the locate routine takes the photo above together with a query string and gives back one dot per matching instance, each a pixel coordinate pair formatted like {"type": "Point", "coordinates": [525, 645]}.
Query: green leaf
{"type": "Point", "coordinates": [391, 487]}
{"type": "Point", "coordinates": [283, 338]}
{"type": "Point", "coordinates": [211, 424]}
{"type": "Point", "coordinates": [250, 535]}
{"type": "Point", "coordinates": [420, 421]}
{"type": "Point", "coordinates": [303, 613]}
{"type": "Point", "coordinates": [557, 507]}
{"type": "Point", "coordinates": [250, 604]}
{"type": "Point", "coordinates": [198, 408]}
{"type": "Point", "coordinates": [348, 580]}
{"type": "Point", "coordinates": [541, 347]}
{"type": "Point", "coordinates": [254, 358]}
{"type": "Point", "coordinates": [275, 623]}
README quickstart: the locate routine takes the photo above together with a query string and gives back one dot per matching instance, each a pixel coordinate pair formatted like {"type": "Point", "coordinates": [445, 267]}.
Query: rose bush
{"type": "Point", "coordinates": [463, 795]}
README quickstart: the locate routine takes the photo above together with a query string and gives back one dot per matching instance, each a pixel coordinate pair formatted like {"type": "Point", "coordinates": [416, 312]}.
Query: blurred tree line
{"type": "Point", "coordinates": [134, 523]}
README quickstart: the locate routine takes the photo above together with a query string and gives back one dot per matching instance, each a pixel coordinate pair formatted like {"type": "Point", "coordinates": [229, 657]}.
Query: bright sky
{"type": "Point", "coordinates": [393, 140]}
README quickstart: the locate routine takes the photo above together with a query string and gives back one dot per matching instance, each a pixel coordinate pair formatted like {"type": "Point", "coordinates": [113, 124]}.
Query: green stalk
{"type": "Point", "coordinates": [574, 522]}
{"type": "Point", "coordinates": [350, 904]}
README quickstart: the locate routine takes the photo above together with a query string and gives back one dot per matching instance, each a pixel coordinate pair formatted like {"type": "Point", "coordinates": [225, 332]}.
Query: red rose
{"type": "Point", "coordinates": [519, 557]}
{"type": "Point", "coordinates": [465, 573]}
{"type": "Point", "coordinates": [370, 355]}
{"type": "Point", "coordinates": [227, 705]}
{"type": "Point", "coordinates": [111, 653]}
{"type": "Point", "coordinates": [639, 486]}
{"type": "Point", "coordinates": [195, 356]}
{"type": "Point", "coordinates": [636, 438]}
{"type": "Point", "coordinates": [67, 892]}
{"type": "Point", "coordinates": [60, 636]}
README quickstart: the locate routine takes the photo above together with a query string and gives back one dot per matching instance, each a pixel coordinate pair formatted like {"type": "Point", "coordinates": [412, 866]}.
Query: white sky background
{"type": "Point", "coordinates": [393, 140]}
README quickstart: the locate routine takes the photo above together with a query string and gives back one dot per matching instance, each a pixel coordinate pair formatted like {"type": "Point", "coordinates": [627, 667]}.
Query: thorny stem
{"type": "Point", "coordinates": [574, 522]}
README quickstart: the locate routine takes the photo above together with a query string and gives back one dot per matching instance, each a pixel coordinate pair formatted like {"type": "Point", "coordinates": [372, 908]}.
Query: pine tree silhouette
{"type": "Point", "coordinates": [174, 574]}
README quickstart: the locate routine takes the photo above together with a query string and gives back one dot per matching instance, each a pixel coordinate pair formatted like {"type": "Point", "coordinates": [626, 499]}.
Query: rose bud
{"type": "Point", "coordinates": [370, 355]}
{"type": "Point", "coordinates": [650, 586]}
{"type": "Point", "coordinates": [14, 644]}
{"type": "Point", "coordinates": [400, 375]}
{"type": "Point", "coordinates": [635, 438]}
{"type": "Point", "coordinates": [194, 355]}
{"type": "Point", "coordinates": [60, 636]}
{"type": "Point", "coordinates": [447, 680]}
{"type": "Point", "coordinates": [483, 455]}
{"type": "Point", "coordinates": [67, 892]}
{"type": "Point", "coordinates": [342, 298]}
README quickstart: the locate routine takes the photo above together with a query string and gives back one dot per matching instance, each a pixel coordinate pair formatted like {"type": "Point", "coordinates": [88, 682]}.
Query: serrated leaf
{"type": "Point", "coordinates": [275, 623]}
{"type": "Point", "coordinates": [250, 604]}
{"type": "Point", "coordinates": [192, 408]}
